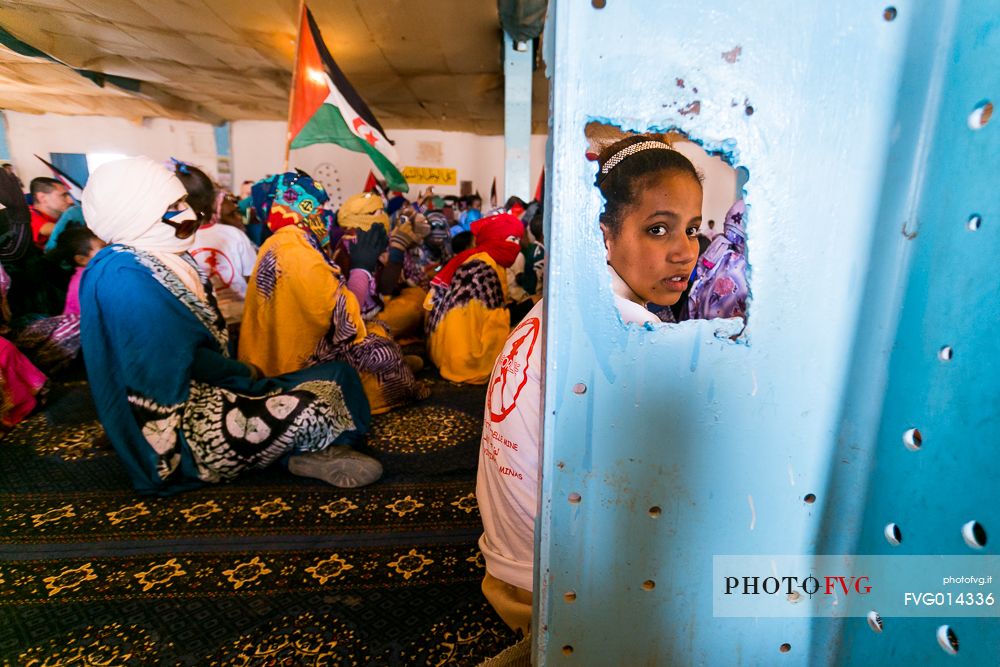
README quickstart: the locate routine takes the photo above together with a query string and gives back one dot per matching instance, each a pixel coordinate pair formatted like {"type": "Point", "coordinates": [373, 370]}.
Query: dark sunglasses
{"type": "Point", "coordinates": [182, 230]}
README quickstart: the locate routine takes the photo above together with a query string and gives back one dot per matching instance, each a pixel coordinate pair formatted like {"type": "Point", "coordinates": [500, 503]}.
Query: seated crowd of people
{"type": "Point", "coordinates": [221, 333]}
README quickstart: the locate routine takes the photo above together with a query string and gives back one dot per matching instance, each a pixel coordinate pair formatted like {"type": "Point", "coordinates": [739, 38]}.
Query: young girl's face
{"type": "Point", "coordinates": [655, 249]}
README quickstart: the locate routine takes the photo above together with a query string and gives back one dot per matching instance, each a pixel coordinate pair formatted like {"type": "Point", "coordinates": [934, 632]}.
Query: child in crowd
{"type": "Point", "coordinates": [53, 342]}
{"type": "Point", "coordinates": [649, 223]}
{"type": "Point", "coordinates": [224, 252]}
{"type": "Point", "coordinates": [524, 280]}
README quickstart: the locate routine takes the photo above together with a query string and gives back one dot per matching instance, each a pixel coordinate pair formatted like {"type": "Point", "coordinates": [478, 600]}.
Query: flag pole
{"type": "Point", "coordinates": [295, 76]}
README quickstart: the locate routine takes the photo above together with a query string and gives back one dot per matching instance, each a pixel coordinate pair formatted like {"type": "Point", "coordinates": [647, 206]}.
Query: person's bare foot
{"type": "Point", "coordinates": [339, 465]}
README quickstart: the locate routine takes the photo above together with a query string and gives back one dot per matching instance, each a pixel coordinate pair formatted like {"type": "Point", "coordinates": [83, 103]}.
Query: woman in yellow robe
{"type": "Point", "coordinates": [468, 322]}
{"type": "Point", "coordinates": [299, 310]}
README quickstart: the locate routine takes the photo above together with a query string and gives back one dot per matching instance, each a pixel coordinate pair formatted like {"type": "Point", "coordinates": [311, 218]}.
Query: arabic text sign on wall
{"type": "Point", "coordinates": [430, 175]}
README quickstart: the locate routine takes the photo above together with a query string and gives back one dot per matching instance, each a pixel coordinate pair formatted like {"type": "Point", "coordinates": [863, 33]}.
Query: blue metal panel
{"type": "Point", "coordinates": [949, 298]}
{"type": "Point", "coordinates": [517, 119]}
{"type": "Point", "coordinates": [838, 114]}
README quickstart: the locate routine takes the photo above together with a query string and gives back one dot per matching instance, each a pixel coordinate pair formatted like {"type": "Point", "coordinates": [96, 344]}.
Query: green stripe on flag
{"type": "Point", "coordinates": [327, 126]}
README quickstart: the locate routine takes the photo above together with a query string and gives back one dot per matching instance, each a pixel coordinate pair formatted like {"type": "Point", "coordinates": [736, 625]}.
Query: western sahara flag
{"type": "Point", "coordinates": [325, 108]}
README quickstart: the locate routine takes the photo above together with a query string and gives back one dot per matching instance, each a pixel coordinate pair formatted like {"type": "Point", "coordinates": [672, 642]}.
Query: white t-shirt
{"type": "Point", "coordinates": [509, 453]}
{"type": "Point", "coordinates": [226, 255]}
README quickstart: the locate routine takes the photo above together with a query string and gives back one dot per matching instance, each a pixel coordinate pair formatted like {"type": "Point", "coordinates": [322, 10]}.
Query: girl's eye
{"type": "Point", "coordinates": [692, 231]}
{"type": "Point", "coordinates": [657, 230]}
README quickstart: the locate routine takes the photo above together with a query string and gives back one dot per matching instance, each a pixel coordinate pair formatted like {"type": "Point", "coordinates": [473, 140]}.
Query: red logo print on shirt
{"type": "Point", "coordinates": [220, 269]}
{"type": "Point", "coordinates": [511, 371]}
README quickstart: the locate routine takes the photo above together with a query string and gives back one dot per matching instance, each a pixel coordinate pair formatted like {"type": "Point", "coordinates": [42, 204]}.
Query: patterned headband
{"type": "Point", "coordinates": [632, 150]}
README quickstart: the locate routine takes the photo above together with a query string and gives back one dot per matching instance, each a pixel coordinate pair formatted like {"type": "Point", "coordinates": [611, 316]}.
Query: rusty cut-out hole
{"type": "Point", "coordinates": [945, 353]}
{"type": "Point", "coordinates": [702, 182]}
{"type": "Point", "coordinates": [981, 115]}
{"type": "Point", "coordinates": [648, 585]}
{"type": "Point", "coordinates": [655, 512]}
{"type": "Point", "coordinates": [912, 439]}
{"type": "Point", "coordinates": [889, 13]}
{"type": "Point", "coordinates": [947, 639]}
{"type": "Point", "coordinates": [598, 4]}
{"type": "Point", "coordinates": [974, 534]}
{"type": "Point", "coordinates": [974, 223]}
{"type": "Point", "coordinates": [579, 388]}
{"type": "Point", "coordinates": [567, 649]}
{"type": "Point", "coordinates": [575, 498]}
{"type": "Point", "coordinates": [809, 498]}
{"type": "Point", "coordinates": [785, 648]}
{"type": "Point", "coordinates": [748, 110]}
{"type": "Point", "coordinates": [570, 596]}
{"type": "Point", "coordinates": [893, 535]}
{"type": "Point", "coordinates": [875, 621]}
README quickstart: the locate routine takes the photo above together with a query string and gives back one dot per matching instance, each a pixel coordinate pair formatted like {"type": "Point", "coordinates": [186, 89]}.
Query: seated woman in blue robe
{"type": "Point", "coordinates": [178, 409]}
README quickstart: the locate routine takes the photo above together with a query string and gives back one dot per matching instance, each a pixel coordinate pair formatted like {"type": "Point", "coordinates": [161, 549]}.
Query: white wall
{"type": "Point", "coordinates": [157, 138]}
{"type": "Point", "coordinates": [258, 150]}
{"type": "Point", "coordinates": [719, 185]}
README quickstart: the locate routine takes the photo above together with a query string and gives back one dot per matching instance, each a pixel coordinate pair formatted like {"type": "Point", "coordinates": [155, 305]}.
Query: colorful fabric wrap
{"type": "Point", "coordinates": [720, 286]}
{"type": "Point", "coordinates": [361, 211]}
{"type": "Point", "coordinates": [498, 235]}
{"type": "Point", "coordinates": [292, 198]}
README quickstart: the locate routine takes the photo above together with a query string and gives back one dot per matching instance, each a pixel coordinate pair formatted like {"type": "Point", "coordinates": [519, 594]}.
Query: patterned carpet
{"type": "Point", "coordinates": [270, 570]}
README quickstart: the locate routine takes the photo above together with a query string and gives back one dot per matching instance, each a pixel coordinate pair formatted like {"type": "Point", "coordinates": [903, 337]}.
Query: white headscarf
{"type": "Point", "coordinates": [125, 200]}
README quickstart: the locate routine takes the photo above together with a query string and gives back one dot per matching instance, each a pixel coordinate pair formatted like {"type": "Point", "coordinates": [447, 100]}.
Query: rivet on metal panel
{"type": "Point", "coordinates": [648, 585]}
{"type": "Point", "coordinates": [893, 534]}
{"type": "Point", "coordinates": [889, 13]}
{"type": "Point", "coordinates": [974, 223]}
{"type": "Point", "coordinates": [948, 639]}
{"type": "Point", "coordinates": [575, 498]}
{"type": "Point", "coordinates": [809, 498]}
{"type": "Point", "coordinates": [974, 534]}
{"type": "Point", "coordinates": [875, 621]}
{"type": "Point", "coordinates": [598, 4]}
{"type": "Point", "coordinates": [579, 388]}
{"type": "Point", "coordinates": [567, 650]}
{"type": "Point", "coordinates": [785, 648]}
{"type": "Point", "coordinates": [655, 512]}
{"type": "Point", "coordinates": [981, 115]}
{"type": "Point", "coordinates": [912, 439]}
{"type": "Point", "coordinates": [748, 110]}
{"type": "Point", "coordinates": [570, 596]}
{"type": "Point", "coordinates": [945, 353]}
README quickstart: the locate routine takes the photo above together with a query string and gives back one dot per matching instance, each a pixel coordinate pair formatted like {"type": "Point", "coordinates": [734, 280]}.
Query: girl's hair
{"type": "Point", "coordinates": [200, 189]}
{"type": "Point", "coordinates": [72, 242]}
{"type": "Point", "coordinates": [622, 178]}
